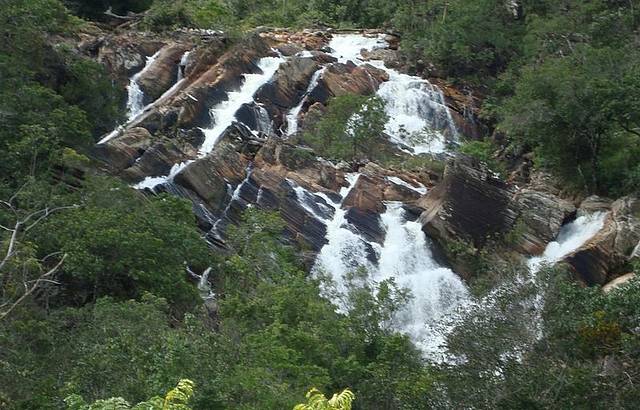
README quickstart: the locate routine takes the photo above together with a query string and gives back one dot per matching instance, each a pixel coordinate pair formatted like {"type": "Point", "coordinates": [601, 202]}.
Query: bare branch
{"type": "Point", "coordinates": [11, 247]}
{"type": "Point", "coordinates": [47, 212]}
{"type": "Point", "coordinates": [43, 278]}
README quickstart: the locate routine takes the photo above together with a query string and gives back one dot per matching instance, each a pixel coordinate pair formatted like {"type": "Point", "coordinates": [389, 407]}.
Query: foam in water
{"type": "Point", "coordinates": [348, 47]}
{"type": "Point", "coordinates": [571, 237]}
{"type": "Point", "coordinates": [404, 256]}
{"type": "Point", "coordinates": [421, 189]}
{"type": "Point", "coordinates": [437, 292]}
{"type": "Point", "coordinates": [135, 100]}
{"type": "Point", "coordinates": [292, 115]}
{"type": "Point", "coordinates": [135, 96]}
{"type": "Point", "coordinates": [418, 116]}
{"type": "Point", "coordinates": [224, 113]}
{"type": "Point", "coordinates": [152, 182]}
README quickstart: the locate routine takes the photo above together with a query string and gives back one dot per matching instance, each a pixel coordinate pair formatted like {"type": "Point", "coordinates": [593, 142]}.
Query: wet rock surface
{"type": "Point", "coordinates": [252, 166]}
{"type": "Point", "coordinates": [605, 256]}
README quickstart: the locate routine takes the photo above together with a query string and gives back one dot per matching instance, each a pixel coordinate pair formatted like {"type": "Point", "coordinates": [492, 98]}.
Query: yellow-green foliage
{"type": "Point", "coordinates": [318, 401]}
{"type": "Point", "coordinates": [176, 399]}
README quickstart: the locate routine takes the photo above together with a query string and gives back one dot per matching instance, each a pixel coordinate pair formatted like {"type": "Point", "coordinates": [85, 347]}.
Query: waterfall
{"type": "Point", "coordinates": [235, 195]}
{"type": "Point", "coordinates": [418, 116]}
{"type": "Point", "coordinates": [437, 292]}
{"type": "Point", "coordinates": [421, 189]}
{"type": "Point", "coordinates": [405, 256]}
{"type": "Point", "coordinates": [151, 182]}
{"type": "Point", "coordinates": [292, 115]}
{"type": "Point", "coordinates": [135, 96]}
{"type": "Point", "coordinates": [572, 236]}
{"type": "Point", "coordinates": [224, 113]}
{"type": "Point", "coordinates": [135, 101]}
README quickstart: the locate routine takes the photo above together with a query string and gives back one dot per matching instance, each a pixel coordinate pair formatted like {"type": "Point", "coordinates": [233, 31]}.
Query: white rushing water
{"type": "Point", "coordinates": [135, 95]}
{"type": "Point", "coordinates": [135, 100]}
{"type": "Point", "coordinates": [292, 115]}
{"type": "Point", "coordinates": [418, 116]}
{"type": "Point", "coordinates": [404, 256]}
{"type": "Point", "coordinates": [224, 113]}
{"type": "Point", "coordinates": [437, 292]}
{"type": "Point", "coordinates": [572, 236]}
{"type": "Point", "coordinates": [419, 188]}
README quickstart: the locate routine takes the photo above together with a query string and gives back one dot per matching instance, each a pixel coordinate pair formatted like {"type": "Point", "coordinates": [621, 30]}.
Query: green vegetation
{"type": "Point", "coordinates": [483, 151]}
{"type": "Point", "coordinates": [99, 307]}
{"type": "Point", "coordinates": [584, 358]}
{"type": "Point", "coordinates": [176, 399]}
{"type": "Point", "coordinates": [350, 130]}
{"type": "Point", "coordinates": [317, 401]}
{"type": "Point", "coordinates": [562, 77]}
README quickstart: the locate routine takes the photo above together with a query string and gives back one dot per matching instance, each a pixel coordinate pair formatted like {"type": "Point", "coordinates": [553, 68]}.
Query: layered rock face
{"type": "Point", "coordinates": [253, 164]}
{"type": "Point", "coordinates": [474, 205]}
{"type": "Point", "coordinates": [606, 255]}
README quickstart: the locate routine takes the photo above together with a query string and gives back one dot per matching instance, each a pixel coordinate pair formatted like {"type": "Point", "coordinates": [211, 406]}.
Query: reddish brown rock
{"type": "Point", "coordinates": [163, 72]}
{"type": "Point", "coordinates": [601, 258]}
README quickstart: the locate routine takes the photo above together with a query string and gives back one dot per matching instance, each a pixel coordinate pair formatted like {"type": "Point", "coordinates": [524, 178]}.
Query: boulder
{"type": "Point", "coordinates": [342, 79]}
{"type": "Point", "coordinates": [392, 40]}
{"type": "Point", "coordinates": [617, 282]}
{"type": "Point", "coordinates": [208, 176]}
{"type": "Point", "coordinates": [603, 257]}
{"type": "Point", "coordinates": [124, 55]}
{"type": "Point", "coordinates": [160, 75]}
{"type": "Point", "coordinates": [289, 83]}
{"type": "Point", "coordinates": [299, 164]}
{"type": "Point", "coordinates": [367, 195]}
{"type": "Point", "coordinates": [391, 58]}
{"type": "Point", "coordinates": [542, 214]}
{"type": "Point", "coordinates": [287, 87]}
{"type": "Point", "coordinates": [155, 161]}
{"type": "Point", "coordinates": [471, 204]}
{"type": "Point", "coordinates": [122, 151]}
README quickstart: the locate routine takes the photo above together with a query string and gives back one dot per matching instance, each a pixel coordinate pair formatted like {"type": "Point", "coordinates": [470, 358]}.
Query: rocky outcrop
{"type": "Point", "coordinates": [122, 151]}
{"type": "Point", "coordinates": [342, 79]}
{"type": "Point", "coordinates": [471, 203]}
{"type": "Point", "coordinates": [287, 87]}
{"type": "Point", "coordinates": [211, 87]}
{"type": "Point", "coordinates": [163, 73]}
{"type": "Point", "coordinates": [390, 57]}
{"type": "Point", "coordinates": [208, 176]}
{"type": "Point", "coordinates": [603, 257]}
{"type": "Point", "coordinates": [541, 215]}
{"type": "Point", "coordinates": [474, 208]}
{"type": "Point", "coordinates": [618, 282]}
{"type": "Point", "coordinates": [123, 55]}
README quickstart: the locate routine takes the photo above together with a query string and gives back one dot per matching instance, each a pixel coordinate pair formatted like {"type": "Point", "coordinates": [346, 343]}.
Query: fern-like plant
{"type": "Point", "coordinates": [317, 401]}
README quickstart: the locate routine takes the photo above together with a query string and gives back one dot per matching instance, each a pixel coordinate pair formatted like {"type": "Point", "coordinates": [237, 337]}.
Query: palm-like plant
{"type": "Point", "coordinates": [317, 401]}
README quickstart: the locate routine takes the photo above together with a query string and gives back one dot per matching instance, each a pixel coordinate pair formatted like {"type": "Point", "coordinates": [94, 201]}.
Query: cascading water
{"type": "Point", "coordinates": [135, 101]}
{"type": "Point", "coordinates": [437, 292]}
{"type": "Point", "coordinates": [571, 237]}
{"type": "Point", "coordinates": [135, 96]}
{"type": "Point", "coordinates": [292, 115]}
{"type": "Point", "coordinates": [421, 189]}
{"type": "Point", "coordinates": [404, 256]}
{"type": "Point", "coordinates": [418, 116]}
{"type": "Point", "coordinates": [224, 113]}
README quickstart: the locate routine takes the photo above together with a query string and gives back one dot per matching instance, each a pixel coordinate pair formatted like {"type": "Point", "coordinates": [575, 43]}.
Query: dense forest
{"type": "Point", "coordinates": [99, 300]}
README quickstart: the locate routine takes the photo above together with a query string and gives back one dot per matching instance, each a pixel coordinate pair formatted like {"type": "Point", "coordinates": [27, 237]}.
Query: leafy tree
{"type": "Point", "coordinates": [579, 113]}
{"type": "Point", "coordinates": [351, 128]}
{"type": "Point", "coordinates": [318, 401]}
{"type": "Point", "coordinates": [176, 399]}
{"type": "Point", "coordinates": [120, 244]}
